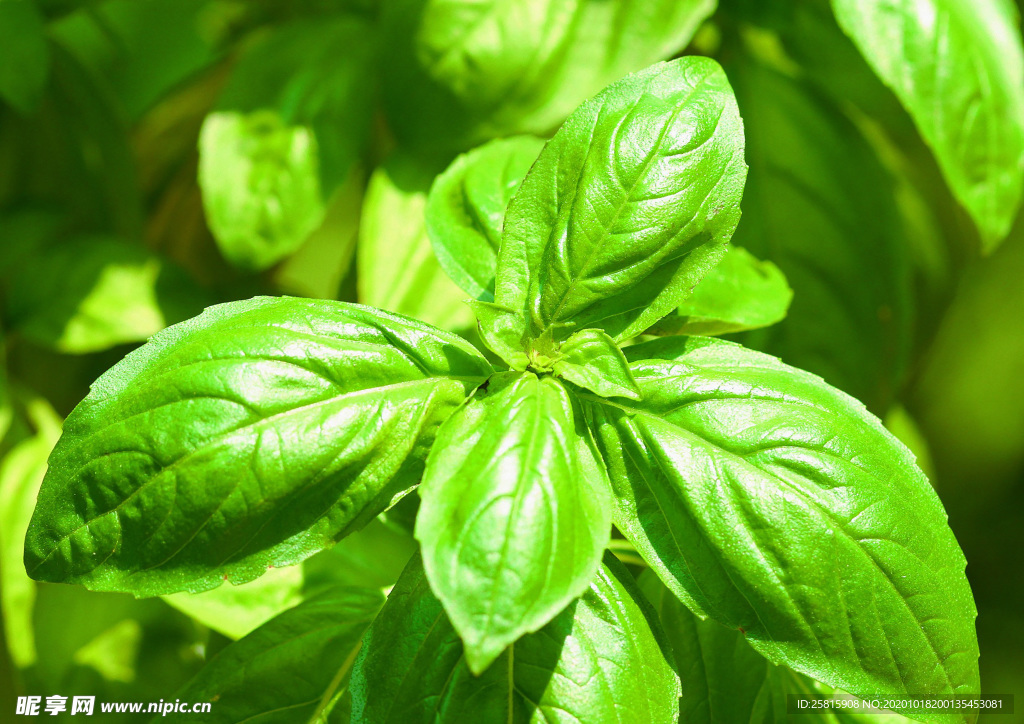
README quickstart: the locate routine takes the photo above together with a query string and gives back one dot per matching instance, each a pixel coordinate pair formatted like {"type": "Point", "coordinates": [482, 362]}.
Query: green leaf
{"type": "Point", "coordinates": [773, 503]}
{"type": "Point", "coordinates": [591, 359]}
{"type": "Point", "coordinates": [820, 205]}
{"type": "Point", "coordinates": [723, 679]}
{"type": "Point", "coordinates": [398, 270]}
{"type": "Point", "coordinates": [291, 122]}
{"type": "Point", "coordinates": [21, 473]}
{"type": "Point", "coordinates": [515, 512]}
{"type": "Point", "coordinates": [466, 210]}
{"type": "Point", "coordinates": [291, 668]}
{"type": "Point", "coordinates": [24, 54]}
{"type": "Point", "coordinates": [598, 661]}
{"type": "Point", "coordinates": [242, 439]}
{"type": "Point", "coordinates": [238, 610]}
{"type": "Point", "coordinates": [261, 186]}
{"type": "Point", "coordinates": [369, 558]}
{"type": "Point", "coordinates": [91, 294]}
{"type": "Point", "coordinates": [627, 207]}
{"type": "Point", "coordinates": [739, 294]}
{"type": "Point", "coordinates": [501, 331]}
{"type": "Point", "coordinates": [460, 72]}
{"type": "Point", "coordinates": [958, 69]}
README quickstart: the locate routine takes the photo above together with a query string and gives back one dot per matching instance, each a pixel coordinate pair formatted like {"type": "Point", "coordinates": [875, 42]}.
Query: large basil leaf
{"type": "Point", "coordinates": [398, 270]}
{"type": "Point", "coordinates": [21, 473]}
{"type": "Point", "coordinates": [254, 435]}
{"type": "Point", "coordinates": [778, 505]}
{"type": "Point", "coordinates": [94, 293]}
{"type": "Point", "coordinates": [627, 207]}
{"type": "Point", "coordinates": [958, 68]}
{"type": "Point", "coordinates": [819, 204]}
{"type": "Point", "coordinates": [602, 659]}
{"type": "Point", "coordinates": [24, 55]}
{"type": "Point", "coordinates": [515, 513]}
{"type": "Point", "coordinates": [287, 129]}
{"type": "Point", "coordinates": [739, 294]}
{"type": "Point", "coordinates": [466, 210]}
{"type": "Point", "coordinates": [461, 71]}
{"type": "Point", "coordinates": [723, 679]}
{"type": "Point", "coordinates": [291, 669]}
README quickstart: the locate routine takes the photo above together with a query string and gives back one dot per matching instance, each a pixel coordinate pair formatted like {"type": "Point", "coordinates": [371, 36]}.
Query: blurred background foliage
{"type": "Point", "coordinates": [159, 156]}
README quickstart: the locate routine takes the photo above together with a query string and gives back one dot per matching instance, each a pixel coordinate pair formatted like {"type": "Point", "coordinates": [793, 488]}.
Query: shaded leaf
{"type": "Point", "coordinates": [739, 294]}
{"type": "Point", "coordinates": [466, 210]}
{"type": "Point", "coordinates": [598, 661]}
{"type": "Point", "coordinates": [24, 54]}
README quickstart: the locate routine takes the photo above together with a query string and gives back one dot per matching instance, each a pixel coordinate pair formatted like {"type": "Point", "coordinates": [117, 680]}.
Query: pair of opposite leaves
{"type": "Point", "coordinates": [262, 431]}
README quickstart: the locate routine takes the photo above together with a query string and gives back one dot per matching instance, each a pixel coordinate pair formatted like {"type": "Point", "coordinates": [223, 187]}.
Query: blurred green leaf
{"type": "Point", "coordinates": [93, 293]}
{"type": "Point", "coordinates": [739, 294]}
{"type": "Point", "coordinates": [291, 122]}
{"type": "Point", "coordinates": [261, 186]}
{"type": "Point", "coordinates": [819, 204]}
{"type": "Point", "coordinates": [24, 54]}
{"type": "Point", "coordinates": [369, 558]}
{"type": "Point", "coordinates": [291, 668]}
{"type": "Point", "coordinates": [460, 72]}
{"type": "Point", "coordinates": [21, 473]}
{"type": "Point", "coordinates": [958, 68]}
{"type": "Point", "coordinates": [398, 270]}
{"type": "Point", "coordinates": [237, 610]}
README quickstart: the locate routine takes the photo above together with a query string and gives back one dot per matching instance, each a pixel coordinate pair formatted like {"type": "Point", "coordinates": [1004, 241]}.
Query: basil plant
{"type": "Point", "coordinates": [617, 522]}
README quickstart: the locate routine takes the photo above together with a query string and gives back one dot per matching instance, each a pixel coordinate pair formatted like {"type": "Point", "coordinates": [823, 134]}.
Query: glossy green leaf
{"type": "Point", "coordinates": [24, 54]}
{"type": "Point", "coordinates": [461, 72]}
{"type": "Point", "coordinates": [242, 439]}
{"type": "Point", "coordinates": [515, 513]}
{"type": "Point", "coordinates": [21, 473]}
{"type": "Point", "coordinates": [598, 661]}
{"type": "Point", "coordinates": [466, 210]}
{"type": "Point", "coordinates": [290, 669]}
{"type": "Point", "coordinates": [398, 270]}
{"type": "Point", "coordinates": [820, 205]}
{"type": "Point", "coordinates": [739, 294]}
{"type": "Point", "coordinates": [627, 207]}
{"type": "Point", "coordinates": [288, 128]}
{"type": "Point", "coordinates": [774, 503]}
{"type": "Point", "coordinates": [591, 359]}
{"type": "Point", "coordinates": [91, 294]}
{"type": "Point", "coordinates": [958, 68]}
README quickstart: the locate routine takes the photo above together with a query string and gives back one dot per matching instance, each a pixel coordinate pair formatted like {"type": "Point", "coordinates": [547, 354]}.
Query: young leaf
{"type": "Point", "coordinates": [958, 69]}
{"type": "Point", "coordinates": [91, 294]}
{"type": "Point", "coordinates": [778, 505]}
{"type": "Point", "coordinates": [739, 294]}
{"type": "Point", "coordinates": [820, 204]}
{"type": "Point", "coordinates": [252, 436]}
{"type": "Point", "coordinates": [466, 210]}
{"type": "Point", "coordinates": [602, 659]}
{"type": "Point", "coordinates": [292, 668]}
{"type": "Point", "coordinates": [591, 359]}
{"type": "Point", "coordinates": [515, 515]}
{"type": "Point", "coordinates": [21, 473]}
{"type": "Point", "coordinates": [398, 270]}
{"type": "Point", "coordinates": [24, 55]}
{"type": "Point", "coordinates": [460, 72]}
{"type": "Point", "coordinates": [627, 207]}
